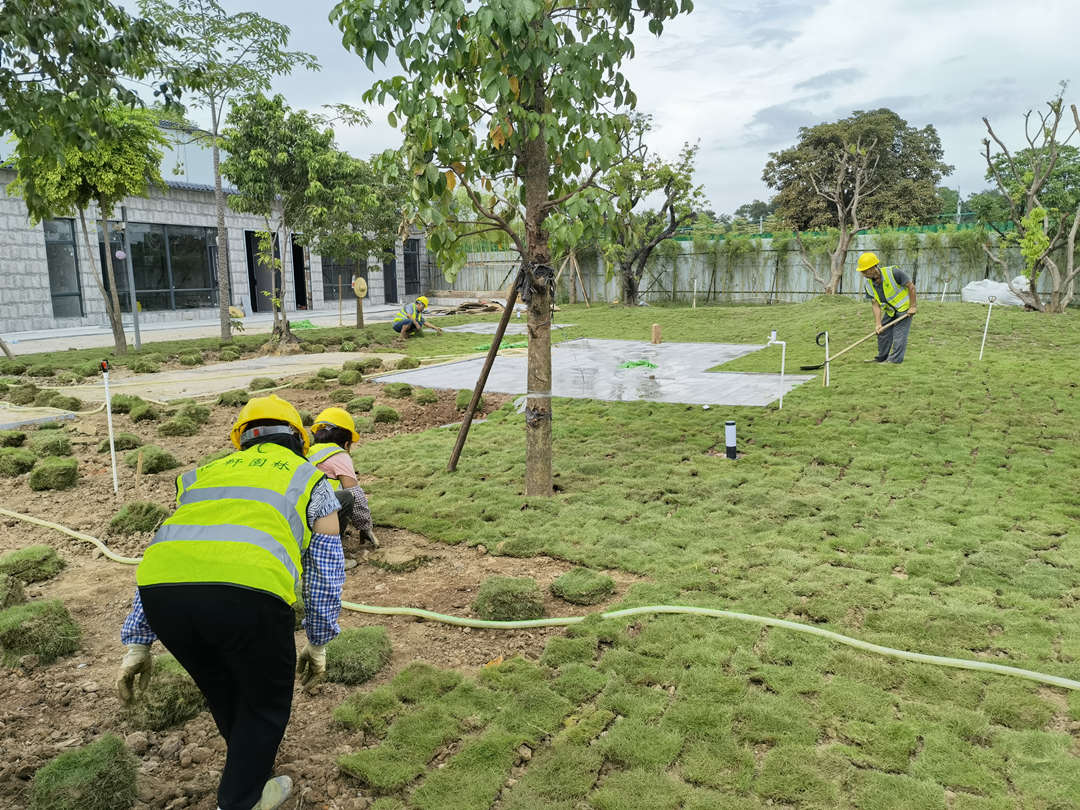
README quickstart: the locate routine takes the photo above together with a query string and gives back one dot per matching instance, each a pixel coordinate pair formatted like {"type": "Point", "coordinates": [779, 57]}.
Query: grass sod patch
{"type": "Point", "coordinates": [327, 373]}
{"type": "Point", "coordinates": [350, 377]}
{"type": "Point", "coordinates": [121, 441]}
{"type": "Point", "coordinates": [138, 516]}
{"type": "Point", "coordinates": [234, 398]}
{"type": "Point", "coordinates": [360, 405]}
{"type": "Point", "coordinates": [144, 412]}
{"type": "Point", "coordinates": [178, 426]}
{"type": "Point", "coordinates": [11, 591]}
{"type": "Point", "coordinates": [262, 383]}
{"type": "Point", "coordinates": [385, 414]}
{"type": "Point", "coordinates": [357, 654]}
{"type": "Point", "coordinates": [16, 461]}
{"type": "Point", "coordinates": [634, 744]}
{"type": "Point", "coordinates": [155, 459]}
{"type": "Point", "coordinates": [406, 363]}
{"type": "Point", "coordinates": [12, 438]}
{"type": "Point", "coordinates": [508, 599]}
{"type": "Point", "coordinates": [54, 473]}
{"type": "Point", "coordinates": [44, 629]}
{"type": "Point", "coordinates": [342, 395]}
{"type": "Point", "coordinates": [50, 443]}
{"type": "Point", "coordinates": [638, 790]}
{"type": "Point", "coordinates": [581, 586]}
{"type": "Point", "coordinates": [171, 699]}
{"type": "Point", "coordinates": [397, 390]}
{"type": "Point", "coordinates": [424, 396]}
{"type": "Point", "coordinates": [464, 397]}
{"type": "Point", "coordinates": [98, 776]}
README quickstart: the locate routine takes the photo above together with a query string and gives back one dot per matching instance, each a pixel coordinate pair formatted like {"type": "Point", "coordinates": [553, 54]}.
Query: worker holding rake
{"type": "Point", "coordinates": [892, 293]}
{"type": "Point", "coordinates": [217, 585]}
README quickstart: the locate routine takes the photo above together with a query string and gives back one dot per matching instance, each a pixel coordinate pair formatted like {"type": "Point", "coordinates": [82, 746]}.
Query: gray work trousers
{"type": "Point", "coordinates": [892, 343]}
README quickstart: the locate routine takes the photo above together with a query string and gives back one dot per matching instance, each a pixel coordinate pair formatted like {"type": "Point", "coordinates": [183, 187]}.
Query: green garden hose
{"type": "Point", "coordinates": [648, 610]}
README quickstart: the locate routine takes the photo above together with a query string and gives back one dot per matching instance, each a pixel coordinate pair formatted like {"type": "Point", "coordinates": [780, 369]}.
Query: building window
{"type": "Point", "coordinates": [343, 269]}
{"type": "Point", "coordinates": [412, 267]}
{"type": "Point", "coordinates": [63, 268]}
{"type": "Point", "coordinates": [174, 266]}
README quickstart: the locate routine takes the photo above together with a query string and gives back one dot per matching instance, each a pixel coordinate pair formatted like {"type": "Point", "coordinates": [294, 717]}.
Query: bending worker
{"type": "Point", "coordinates": [217, 584]}
{"type": "Point", "coordinates": [410, 318]}
{"type": "Point", "coordinates": [335, 432]}
{"type": "Point", "coordinates": [893, 294]}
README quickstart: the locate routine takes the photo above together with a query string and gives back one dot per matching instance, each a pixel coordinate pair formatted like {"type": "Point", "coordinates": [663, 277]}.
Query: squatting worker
{"type": "Point", "coordinates": [893, 294]}
{"type": "Point", "coordinates": [335, 432]}
{"type": "Point", "coordinates": [410, 318]}
{"type": "Point", "coordinates": [217, 584]}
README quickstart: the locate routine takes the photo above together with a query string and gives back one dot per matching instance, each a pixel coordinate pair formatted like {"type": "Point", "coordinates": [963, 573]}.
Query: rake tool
{"type": "Point", "coordinates": [856, 343]}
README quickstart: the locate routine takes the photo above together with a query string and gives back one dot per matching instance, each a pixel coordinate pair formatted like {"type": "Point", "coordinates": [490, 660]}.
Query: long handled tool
{"type": "Point", "coordinates": [856, 343]}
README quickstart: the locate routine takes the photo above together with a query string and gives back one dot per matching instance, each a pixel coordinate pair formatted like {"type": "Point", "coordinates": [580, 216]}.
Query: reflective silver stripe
{"type": "Point", "coordinates": [285, 507]}
{"type": "Point", "coordinates": [298, 485]}
{"type": "Point", "coordinates": [227, 533]}
{"type": "Point", "coordinates": [325, 453]}
{"type": "Point", "coordinates": [189, 478]}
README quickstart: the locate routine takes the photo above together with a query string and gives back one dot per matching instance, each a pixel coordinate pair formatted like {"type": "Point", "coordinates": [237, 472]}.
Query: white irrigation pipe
{"type": "Point", "coordinates": [783, 353]}
{"type": "Point", "coordinates": [683, 610]}
{"type": "Point", "coordinates": [991, 299]}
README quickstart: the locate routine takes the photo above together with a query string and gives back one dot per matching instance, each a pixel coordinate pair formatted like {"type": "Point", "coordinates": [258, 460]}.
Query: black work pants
{"type": "Point", "coordinates": [237, 644]}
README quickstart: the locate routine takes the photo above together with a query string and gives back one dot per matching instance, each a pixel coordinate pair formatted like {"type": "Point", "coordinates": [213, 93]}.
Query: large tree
{"type": "Point", "coordinates": [756, 210]}
{"type": "Point", "coordinates": [651, 199]}
{"type": "Point", "coordinates": [61, 63]}
{"type": "Point", "coordinates": [511, 100]}
{"type": "Point", "coordinates": [1041, 184]}
{"type": "Point", "coordinates": [118, 161]}
{"type": "Point", "coordinates": [221, 57]}
{"type": "Point", "coordinates": [869, 169]}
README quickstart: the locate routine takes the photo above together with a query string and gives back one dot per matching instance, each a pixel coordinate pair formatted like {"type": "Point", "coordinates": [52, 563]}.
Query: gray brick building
{"type": "Point", "coordinates": [46, 279]}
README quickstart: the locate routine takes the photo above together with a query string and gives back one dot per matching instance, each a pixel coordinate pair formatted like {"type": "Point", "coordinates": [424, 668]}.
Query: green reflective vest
{"type": "Point", "coordinates": [896, 297]}
{"type": "Point", "coordinates": [409, 313]}
{"type": "Point", "coordinates": [241, 520]}
{"type": "Point", "coordinates": [318, 453]}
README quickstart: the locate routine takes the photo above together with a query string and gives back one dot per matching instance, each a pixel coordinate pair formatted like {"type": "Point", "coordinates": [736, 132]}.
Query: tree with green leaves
{"type": "Point", "coordinates": [119, 161]}
{"type": "Point", "coordinates": [222, 57]}
{"type": "Point", "coordinates": [756, 211]}
{"type": "Point", "coordinates": [61, 62]}
{"type": "Point", "coordinates": [1041, 183]}
{"type": "Point", "coordinates": [991, 209]}
{"type": "Point", "coordinates": [869, 169]}
{"type": "Point", "coordinates": [642, 179]}
{"type": "Point", "coordinates": [511, 101]}
{"type": "Point", "coordinates": [274, 156]}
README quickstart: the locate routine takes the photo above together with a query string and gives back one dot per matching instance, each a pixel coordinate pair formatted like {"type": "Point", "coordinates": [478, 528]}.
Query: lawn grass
{"type": "Point", "coordinates": [930, 506]}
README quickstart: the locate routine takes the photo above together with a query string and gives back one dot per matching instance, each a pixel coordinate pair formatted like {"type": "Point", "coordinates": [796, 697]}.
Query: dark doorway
{"type": "Point", "coordinates": [260, 274]}
{"type": "Point", "coordinates": [389, 270]}
{"type": "Point", "coordinates": [412, 268]}
{"type": "Point", "coordinates": [299, 276]}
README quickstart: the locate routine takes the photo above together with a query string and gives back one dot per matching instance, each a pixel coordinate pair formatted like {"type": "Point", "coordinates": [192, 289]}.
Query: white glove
{"type": "Point", "coordinates": [137, 661]}
{"type": "Point", "coordinates": [311, 665]}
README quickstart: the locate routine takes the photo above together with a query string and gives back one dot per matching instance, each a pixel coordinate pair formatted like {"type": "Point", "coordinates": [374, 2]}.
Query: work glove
{"type": "Point", "coordinates": [311, 665]}
{"type": "Point", "coordinates": [369, 537]}
{"type": "Point", "coordinates": [137, 661]}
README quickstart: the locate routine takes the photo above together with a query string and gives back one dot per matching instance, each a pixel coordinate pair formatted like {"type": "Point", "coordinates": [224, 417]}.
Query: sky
{"type": "Point", "coordinates": [742, 77]}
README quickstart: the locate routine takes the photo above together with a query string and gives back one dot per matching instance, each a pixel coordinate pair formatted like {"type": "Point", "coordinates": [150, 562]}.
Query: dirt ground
{"type": "Point", "coordinates": [47, 710]}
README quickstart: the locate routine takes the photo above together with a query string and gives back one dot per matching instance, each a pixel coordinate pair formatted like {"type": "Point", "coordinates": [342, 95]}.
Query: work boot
{"type": "Point", "coordinates": [274, 794]}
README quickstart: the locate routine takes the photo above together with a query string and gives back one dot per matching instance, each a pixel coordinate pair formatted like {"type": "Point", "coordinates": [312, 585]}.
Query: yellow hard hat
{"type": "Point", "coordinates": [422, 301]}
{"type": "Point", "coordinates": [339, 418]}
{"type": "Point", "coordinates": [271, 407]}
{"type": "Point", "coordinates": [866, 261]}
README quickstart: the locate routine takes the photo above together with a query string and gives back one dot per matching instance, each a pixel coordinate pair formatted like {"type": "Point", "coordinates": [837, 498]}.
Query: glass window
{"type": "Point", "coordinates": [63, 262]}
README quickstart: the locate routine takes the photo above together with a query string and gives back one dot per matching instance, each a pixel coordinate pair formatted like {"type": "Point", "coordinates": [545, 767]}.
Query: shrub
{"type": "Point", "coordinates": [40, 371]}
{"type": "Point", "coordinates": [144, 366]}
{"type": "Point", "coordinates": [425, 396]}
{"type": "Point", "coordinates": [54, 473]}
{"type": "Point", "coordinates": [190, 359]}
{"type": "Point", "coordinates": [407, 363]}
{"type": "Point", "coordinates": [464, 397]}
{"type": "Point", "coordinates": [11, 591]}
{"type": "Point", "coordinates": [98, 776]}
{"type": "Point", "coordinates": [398, 390]}
{"type": "Point", "coordinates": [509, 599]}
{"type": "Point", "coordinates": [32, 564]}
{"type": "Point", "coordinates": [50, 443]}
{"type": "Point", "coordinates": [307, 418]}
{"type": "Point", "coordinates": [138, 516]}
{"type": "Point", "coordinates": [11, 438]}
{"type": "Point", "coordinates": [348, 346]}
{"type": "Point", "coordinates": [172, 699]}
{"type": "Point", "coordinates": [327, 373]}
{"type": "Point", "coordinates": [121, 441]}
{"type": "Point", "coordinates": [360, 404]}
{"type": "Point", "coordinates": [123, 403]}
{"type": "Point", "coordinates": [384, 413]}
{"type": "Point", "coordinates": [178, 426]}
{"type": "Point", "coordinates": [199, 414]}
{"type": "Point", "coordinates": [87, 369]}
{"type": "Point", "coordinates": [234, 397]}
{"type": "Point", "coordinates": [228, 355]}
{"type": "Point", "coordinates": [583, 587]}
{"type": "Point", "coordinates": [9, 366]}
{"type": "Point", "coordinates": [66, 403]}
{"type": "Point", "coordinates": [350, 377]}
{"type": "Point", "coordinates": [357, 654]}
{"type": "Point", "coordinates": [259, 383]}
{"type": "Point", "coordinates": [144, 412]}
{"type": "Point", "coordinates": [44, 629]}
{"type": "Point", "coordinates": [341, 395]}
{"type": "Point", "coordinates": [16, 461]}
{"type": "Point", "coordinates": [23, 394]}
{"type": "Point", "coordinates": [154, 459]}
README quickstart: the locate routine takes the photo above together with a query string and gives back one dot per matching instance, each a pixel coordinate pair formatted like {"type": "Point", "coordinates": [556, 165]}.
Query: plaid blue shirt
{"type": "Point", "coordinates": [323, 578]}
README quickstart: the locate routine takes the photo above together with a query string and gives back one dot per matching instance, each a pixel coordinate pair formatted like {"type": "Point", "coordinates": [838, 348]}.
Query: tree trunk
{"type": "Point", "coordinates": [538, 480]}
{"type": "Point", "coordinates": [111, 299]}
{"type": "Point", "coordinates": [630, 285]}
{"type": "Point", "coordinates": [222, 238]}
{"type": "Point", "coordinates": [836, 261]}
{"type": "Point", "coordinates": [282, 334]}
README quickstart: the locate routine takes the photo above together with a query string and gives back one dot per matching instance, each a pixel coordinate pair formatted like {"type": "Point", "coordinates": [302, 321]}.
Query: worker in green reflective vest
{"type": "Point", "coordinates": [410, 320]}
{"type": "Point", "coordinates": [892, 293]}
{"type": "Point", "coordinates": [217, 584]}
